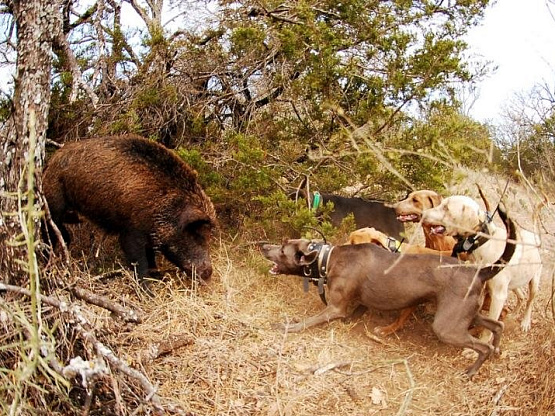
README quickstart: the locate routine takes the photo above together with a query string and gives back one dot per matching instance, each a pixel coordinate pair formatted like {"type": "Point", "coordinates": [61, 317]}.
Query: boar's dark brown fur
{"type": "Point", "coordinates": [139, 190]}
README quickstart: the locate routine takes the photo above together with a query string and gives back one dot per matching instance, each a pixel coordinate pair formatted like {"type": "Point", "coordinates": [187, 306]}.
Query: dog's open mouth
{"type": "Point", "coordinates": [275, 269]}
{"type": "Point", "coordinates": [408, 217]}
{"type": "Point", "coordinates": [437, 229]}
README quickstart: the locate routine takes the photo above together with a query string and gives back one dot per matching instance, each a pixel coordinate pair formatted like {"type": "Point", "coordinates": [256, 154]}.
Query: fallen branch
{"type": "Point", "coordinates": [128, 315]}
{"type": "Point", "coordinates": [61, 305]}
{"type": "Point", "coordinates": [108, 354]}
{"type": "Point", "coordinates": [86, 332]}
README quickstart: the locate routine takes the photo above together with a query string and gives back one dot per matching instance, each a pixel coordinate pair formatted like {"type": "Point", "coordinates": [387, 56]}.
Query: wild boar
{"type": "Point", "coordinates": [139, 190]}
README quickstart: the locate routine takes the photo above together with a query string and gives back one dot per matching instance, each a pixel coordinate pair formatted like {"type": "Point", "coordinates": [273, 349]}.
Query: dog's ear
{"type": "Point", "coordinates": [434, 200]}
{"type": "Point", "coordinates": [305, 256]}
{"type": "Point", "coordinates": [308, 258]}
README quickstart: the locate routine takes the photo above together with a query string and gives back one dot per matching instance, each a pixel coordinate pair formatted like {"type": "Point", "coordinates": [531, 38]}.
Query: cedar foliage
{"type": "Point", "coordinates": [351, 93]}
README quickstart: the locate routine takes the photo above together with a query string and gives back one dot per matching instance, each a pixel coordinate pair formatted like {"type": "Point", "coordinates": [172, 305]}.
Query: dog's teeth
{"type": "Point", "coordinates": [407, 217]}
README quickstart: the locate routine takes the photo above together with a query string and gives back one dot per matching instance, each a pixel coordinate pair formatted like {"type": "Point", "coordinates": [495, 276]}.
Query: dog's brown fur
{"type": "Point", "coordinates": [410, 210]}
{"type": "Point", "coordinates": [365, 274]}
{"type": "Point", "coordinates": [371, 235]}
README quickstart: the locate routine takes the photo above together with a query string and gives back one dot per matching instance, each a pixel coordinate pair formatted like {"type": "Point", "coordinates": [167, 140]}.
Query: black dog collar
{"type": "Point", "coordinates": [469, 244]}
{"type": "Point", "coordinates": [317, 271]}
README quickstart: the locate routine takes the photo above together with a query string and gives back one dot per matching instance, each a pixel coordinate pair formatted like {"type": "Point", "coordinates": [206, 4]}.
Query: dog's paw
{"type": "Point", "coordinates": [526, 324]}
{"type": "Point", "coordinates": [463, 375]}
{"type": "Point", "coordinates": [382, 331]}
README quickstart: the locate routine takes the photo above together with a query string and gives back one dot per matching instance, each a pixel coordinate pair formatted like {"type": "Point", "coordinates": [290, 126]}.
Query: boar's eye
{"type": "Point", "coordinates": [199, 227]}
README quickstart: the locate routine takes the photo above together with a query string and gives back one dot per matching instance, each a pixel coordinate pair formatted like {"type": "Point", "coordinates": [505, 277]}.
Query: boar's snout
{"type": "Point", "coordinates": [202, 270]}
{"type": "Point", "coordinates": [206, 272]}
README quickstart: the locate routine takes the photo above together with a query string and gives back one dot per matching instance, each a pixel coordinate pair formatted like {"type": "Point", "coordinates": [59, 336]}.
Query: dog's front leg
{"type": "Point", "coordinates": [499, 290]}
{"type": "Point", "coordinates": [328, 314]}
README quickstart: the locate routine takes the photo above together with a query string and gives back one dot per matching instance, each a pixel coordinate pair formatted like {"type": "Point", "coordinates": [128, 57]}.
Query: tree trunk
{"type": "Point", "coordinates": [23, 137]}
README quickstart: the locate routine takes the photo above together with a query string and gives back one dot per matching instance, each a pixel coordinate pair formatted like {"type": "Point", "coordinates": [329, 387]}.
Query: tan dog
{"type": "Point", "coordinates": [371, 235]}
{"type": "Point", "coordinates": [410, 210]}
{"type": "Point", "coordinates": [461, 216]}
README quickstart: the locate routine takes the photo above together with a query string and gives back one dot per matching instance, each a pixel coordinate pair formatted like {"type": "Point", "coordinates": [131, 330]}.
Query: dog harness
{"type": "Point", "coordinates": [469, 244]}
{"type": "Point", "coordinates": [317, 271]}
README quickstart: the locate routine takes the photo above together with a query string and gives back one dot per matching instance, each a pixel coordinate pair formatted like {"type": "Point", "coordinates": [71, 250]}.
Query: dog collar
{"type": "Point", "coordinates": [316, 199]}
{"type": "Point", "coordinates": [393, 245]}
{"type": "Point", "coordinates": [317, 271]}
{"type": "Point", "coordinates": [469, 244]}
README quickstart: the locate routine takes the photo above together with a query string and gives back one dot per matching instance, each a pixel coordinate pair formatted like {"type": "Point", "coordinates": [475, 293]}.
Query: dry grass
{"type": "Point", "coordinates": [236, 363]}
{"type": "Point", "coordinates": [212, 350]}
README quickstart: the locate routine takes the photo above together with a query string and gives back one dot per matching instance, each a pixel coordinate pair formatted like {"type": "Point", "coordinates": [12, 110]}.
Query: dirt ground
{"type": "Point", "coordinates": [212, 350]}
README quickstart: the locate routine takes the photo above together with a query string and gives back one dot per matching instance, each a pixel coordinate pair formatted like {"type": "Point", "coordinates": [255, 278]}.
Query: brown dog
{"type": "Point", "coordinates": [410, 210]}
{"type": "Point", "coordinates": [371, 235]}
{"type": "Point", "coordinates": [365, 274]}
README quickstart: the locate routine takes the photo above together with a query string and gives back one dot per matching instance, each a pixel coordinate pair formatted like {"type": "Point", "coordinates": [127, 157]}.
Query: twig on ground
{"type": "Point", "coordinates": [408, 396]}
{"type": "Point", "coordinates": [373, 337]}
{"type": "Point", "coordinates": [328, 367]}
{"type": "Point", "coordinates": [496, 399]}
{"type": "Point", "coordinates": [166, 347]}
{"type": "Point", "coordinates": [110, 274]}
{"type": "Point", "coordinates": [128, 315]}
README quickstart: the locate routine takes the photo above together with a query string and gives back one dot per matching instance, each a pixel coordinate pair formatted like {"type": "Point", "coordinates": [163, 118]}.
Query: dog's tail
{"type": "Point", "coordinates": [487, 273]}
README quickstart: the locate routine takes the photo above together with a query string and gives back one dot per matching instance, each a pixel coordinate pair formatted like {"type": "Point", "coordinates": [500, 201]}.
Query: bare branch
{"type": "Point", "coordinates": [78, 82]}
{"type": "Point", "coordinates": [128, 315]}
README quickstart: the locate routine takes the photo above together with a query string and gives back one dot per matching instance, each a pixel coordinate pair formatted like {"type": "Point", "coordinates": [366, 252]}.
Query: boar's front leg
{"type": "Point", "coordinates": [136, 247]}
